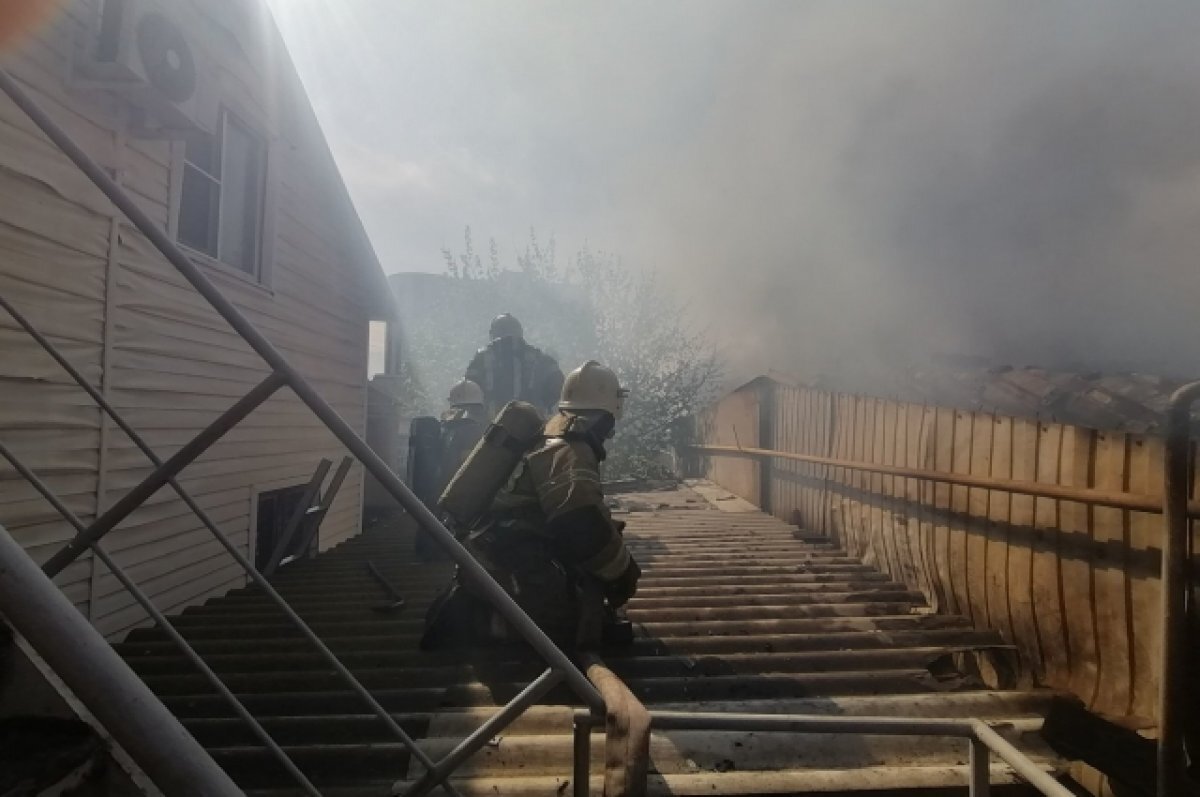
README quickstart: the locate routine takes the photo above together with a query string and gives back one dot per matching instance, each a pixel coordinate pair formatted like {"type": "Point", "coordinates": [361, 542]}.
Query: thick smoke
{"type": "Point", "coordinates": [876, 183]}
{"type": "Point", "coordinates": [841, 189]}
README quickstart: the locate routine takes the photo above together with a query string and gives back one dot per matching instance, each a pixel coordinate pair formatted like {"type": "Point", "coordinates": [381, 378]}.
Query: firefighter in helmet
{"type": "Point", "coordinates": [509, 368]}
{"type": "Point", "coordinates": [549, 538]}
{"type": "Point", "coordinates": [462, 426]}
{"type": "Point", "coordinates": [456, 433]}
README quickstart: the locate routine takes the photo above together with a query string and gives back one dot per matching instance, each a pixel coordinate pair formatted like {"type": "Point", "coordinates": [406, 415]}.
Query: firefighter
{"type": "Point", "coordinates": [509, 368]}
{"type": "Point", "coordinates": [462, 426]}
{"type": "Point", "coordinates": [456, 433]}
{"type": "Point", "coordinates": [548, 537]}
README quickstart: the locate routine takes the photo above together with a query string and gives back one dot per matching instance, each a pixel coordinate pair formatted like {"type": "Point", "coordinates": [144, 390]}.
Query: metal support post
{"type": "Point", "coordinates": [164, 473]}
{"type": "Point", "coordinates": [581, 775]}
{"type": "Point", "coordinates": [485, 732]}
{"type": "Point", "coordinates": [103, 682]}
{"type": "Point", "coordinates": [980, 769]}
{"type": "Point", "coordinates": [311, 491]}
{"type": "Point", "coordinates": [1172, 711]}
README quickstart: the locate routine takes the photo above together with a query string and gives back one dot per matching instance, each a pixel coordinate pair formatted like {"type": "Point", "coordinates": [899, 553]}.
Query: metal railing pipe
{"type": "Point", "coordinates": [1030, 772]}
{"type": "Point", "coordinates": [1172, 710]}
{"type": "Point", "coordinates": [582, 723]}
{"type": "Point", "coordinates": [124, 506]}
{"type": "Point", "coordinates": [279, 365]}
{"type": "Point", "coordinates": [803, 723]}
{"type": "Point", "coordinates": [1086, 495]}
{"type": "Point", "coordinates": [103, 682]}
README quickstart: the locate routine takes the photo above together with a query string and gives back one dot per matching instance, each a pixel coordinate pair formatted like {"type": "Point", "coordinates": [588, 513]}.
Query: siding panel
{"type": "Point", "coordinates": [173, 363]}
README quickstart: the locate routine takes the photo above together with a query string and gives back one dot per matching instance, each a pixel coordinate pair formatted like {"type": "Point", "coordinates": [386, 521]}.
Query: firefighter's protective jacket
{"type": "Point", "coordinates": [556, 493]}
{"type": "Point", "coordinates": [510, 369]}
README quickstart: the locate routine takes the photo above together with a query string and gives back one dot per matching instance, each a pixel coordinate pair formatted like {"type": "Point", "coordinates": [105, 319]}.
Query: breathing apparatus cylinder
{"type": "Point", "coordinates": [424, 457]}
{"type": "Point", "coordinates": [515, 430]}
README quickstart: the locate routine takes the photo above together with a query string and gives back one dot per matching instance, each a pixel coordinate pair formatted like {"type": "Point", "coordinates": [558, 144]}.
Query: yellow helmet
{"type": "Point", "coordinates": [465, 392]}
{"type": "Point", "coordinates": [591, 386]}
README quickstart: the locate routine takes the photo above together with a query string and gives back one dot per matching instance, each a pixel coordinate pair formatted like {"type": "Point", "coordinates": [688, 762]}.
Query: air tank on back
{"type": "Point", "coordinates": [515, 430]}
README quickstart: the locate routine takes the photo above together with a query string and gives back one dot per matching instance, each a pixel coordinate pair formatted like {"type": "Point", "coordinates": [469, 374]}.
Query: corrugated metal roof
{"type": "Point", "coordinates": [737, 611]}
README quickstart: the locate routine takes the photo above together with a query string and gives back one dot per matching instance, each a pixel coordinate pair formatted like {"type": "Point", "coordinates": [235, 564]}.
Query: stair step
{"type": "Point", "coordinates": [633, 667]}
{"type": "Point", "coordinates": [736, 612]}
{"type": "Point", "coordinates": [649, 690]}
{"type": "Point", "coordinates": [388, 656]}
{"type": "Point", "coordinates": [153, 643]}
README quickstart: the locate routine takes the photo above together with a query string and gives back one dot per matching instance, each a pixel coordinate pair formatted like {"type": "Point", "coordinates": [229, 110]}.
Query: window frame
{"type": "Point", "coordinates": [265, 235]}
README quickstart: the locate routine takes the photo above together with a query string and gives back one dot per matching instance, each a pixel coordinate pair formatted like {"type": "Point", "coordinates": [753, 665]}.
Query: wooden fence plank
{"type": "Point", "coordinates": [1022, 603]}
{"type": "Point", "coordinates": [999, 512]}
{"type": "Point", "coordinates": [1110, 561]}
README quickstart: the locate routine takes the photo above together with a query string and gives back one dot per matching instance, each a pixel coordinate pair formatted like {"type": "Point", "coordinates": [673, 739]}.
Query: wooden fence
{"type": "Point", "coordinates": [1074, 586]}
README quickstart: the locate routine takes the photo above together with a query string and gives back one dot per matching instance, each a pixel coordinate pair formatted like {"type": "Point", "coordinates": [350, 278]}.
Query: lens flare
{"type": "Point", "coordinates": [20, 18]}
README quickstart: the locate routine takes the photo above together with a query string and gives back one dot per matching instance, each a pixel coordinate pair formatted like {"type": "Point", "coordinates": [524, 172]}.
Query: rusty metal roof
{"type": "Point", "coordinates": [737, 611]}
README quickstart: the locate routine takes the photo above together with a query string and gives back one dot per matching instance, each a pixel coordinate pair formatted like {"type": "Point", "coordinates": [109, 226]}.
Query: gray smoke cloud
{"type": "Point", "coordinates": [837, 188]}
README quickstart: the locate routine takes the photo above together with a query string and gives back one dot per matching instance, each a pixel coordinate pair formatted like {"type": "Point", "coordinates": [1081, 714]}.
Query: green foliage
{"type": "Point", "coordinates": [594, 308]}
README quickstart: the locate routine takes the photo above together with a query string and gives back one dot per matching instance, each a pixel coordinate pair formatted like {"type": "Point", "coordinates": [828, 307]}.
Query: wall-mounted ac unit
{"type": "Point", "coordinates": [141, 51]}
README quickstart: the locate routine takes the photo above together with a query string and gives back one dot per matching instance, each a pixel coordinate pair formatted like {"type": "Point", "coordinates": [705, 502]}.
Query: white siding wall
{"type": "Point", "coordinates": [173, 365]}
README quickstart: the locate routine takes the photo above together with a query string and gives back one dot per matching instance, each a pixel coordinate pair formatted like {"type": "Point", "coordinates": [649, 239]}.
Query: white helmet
{"type": "Point", "coordinates": [465, 392]}
{"type": "Point", "coordinates": [591, 386]}
{"type": "Point", "coordinates": [506, 326]}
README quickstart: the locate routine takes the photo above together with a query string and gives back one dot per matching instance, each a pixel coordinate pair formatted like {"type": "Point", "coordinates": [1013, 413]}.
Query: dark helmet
{"type": "Point", "coordinates": [506, 326]}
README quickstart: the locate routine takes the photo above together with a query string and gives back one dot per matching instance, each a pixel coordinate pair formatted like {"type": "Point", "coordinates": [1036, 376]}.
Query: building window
{"type": "Point", "coordinates": [221, 202]}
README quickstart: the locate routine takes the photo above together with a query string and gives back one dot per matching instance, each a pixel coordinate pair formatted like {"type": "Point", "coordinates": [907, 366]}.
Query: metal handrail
{"type": "Point", "coordinates": [982, 738]}
{"type": "Point", "coordinates": [1133, 502]}
{"type": "Point", "coordinates": [283, 373]}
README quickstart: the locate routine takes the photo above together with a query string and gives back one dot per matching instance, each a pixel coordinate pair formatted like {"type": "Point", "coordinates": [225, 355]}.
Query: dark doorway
{"type": "Point", "coordinates": [275, 511]}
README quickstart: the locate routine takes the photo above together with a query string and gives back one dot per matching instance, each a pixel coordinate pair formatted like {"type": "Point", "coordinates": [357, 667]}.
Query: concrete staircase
{"type": "Point", "coordinates": [737, 611]}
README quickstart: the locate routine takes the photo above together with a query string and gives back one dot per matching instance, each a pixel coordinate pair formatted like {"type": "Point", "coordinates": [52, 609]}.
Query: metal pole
{"type": "Point", "coordinates": [163, 623]}
{"type": "Point", "coordinates": [481, 735]}
{"type": "Point", "coordinates": [124, 705]}
{"type": "Point", "coordinates": [979, 769]}
{"type": "Point", "coordinates": [493, 592]}
{"type": "Point", "coordinates": [1110, 498]}
{"type": "Point", "coordinates": [163, 473]}
{"type": "Point", "coordinates": [811, 723]}
{"type": "Point", "coordinates": [233, 551]}
{"type": "Point", "coordinates": [1173, 668]}
{"type": "Point", "coordinates": [1032, 774]}
{"type": "Point", "coordinates": [581, 727]}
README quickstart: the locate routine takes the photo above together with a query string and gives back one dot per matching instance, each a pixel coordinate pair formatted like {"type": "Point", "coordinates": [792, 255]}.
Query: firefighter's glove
{"type": "Point", "coordinates": [622, 588]}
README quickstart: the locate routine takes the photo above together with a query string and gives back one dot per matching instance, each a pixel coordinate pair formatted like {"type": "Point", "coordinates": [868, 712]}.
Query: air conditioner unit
{"type": "Point", "coordinates": [141, 52]}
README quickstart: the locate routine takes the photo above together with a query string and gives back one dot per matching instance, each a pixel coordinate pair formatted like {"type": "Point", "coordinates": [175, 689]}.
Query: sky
{"type": "Point", "coordinates": [833, 187]}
